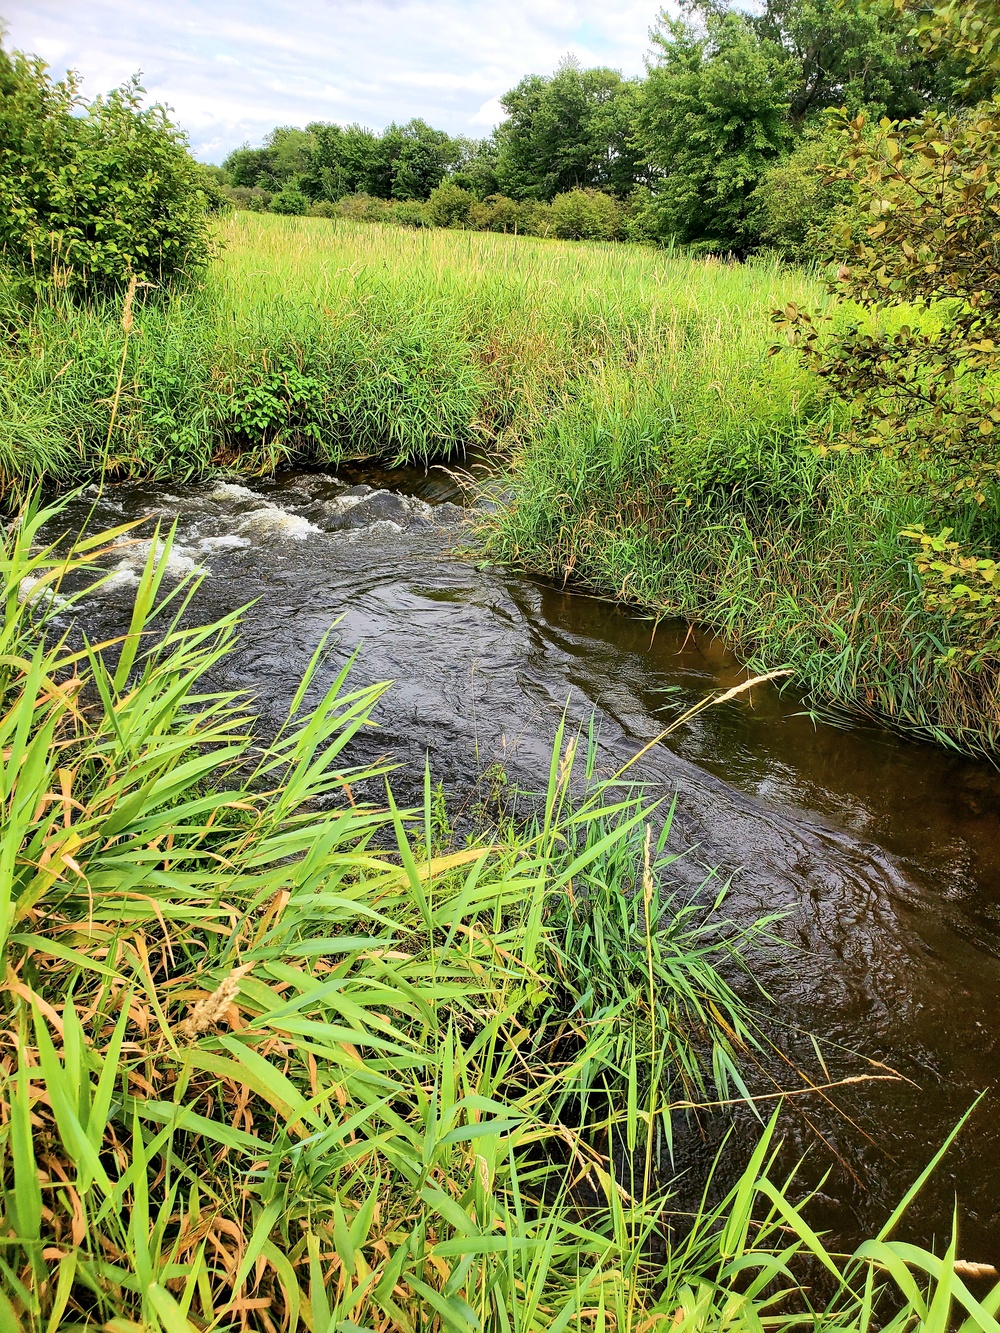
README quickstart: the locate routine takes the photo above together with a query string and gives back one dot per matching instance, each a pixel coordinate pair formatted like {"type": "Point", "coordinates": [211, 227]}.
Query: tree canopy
{"type": "Point", "coordinates": [713, 116]}
{"type": "Point", "coordinates": [719, 146]}
{"type": "Point", "coordinates": [570, 130]}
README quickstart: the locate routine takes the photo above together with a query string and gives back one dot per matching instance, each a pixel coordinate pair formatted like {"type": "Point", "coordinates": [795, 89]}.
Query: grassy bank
{"type": "Point", "coordinates": [701, 496]}
{"type": "Point", "coordinates": [658, 454]}
{"type": "Point", "coordinates": [312, 342]}
{"type": "Point", "coordinates": [273, 1060]}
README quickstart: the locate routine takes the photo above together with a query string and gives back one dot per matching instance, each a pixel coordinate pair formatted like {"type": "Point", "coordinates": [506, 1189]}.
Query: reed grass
{"type": "Point", "coordinates": [312, 343]}
{"type": "Point", "coordinates": [696, 492]}
{"type": "Point", "coordinates": [273, 1060]}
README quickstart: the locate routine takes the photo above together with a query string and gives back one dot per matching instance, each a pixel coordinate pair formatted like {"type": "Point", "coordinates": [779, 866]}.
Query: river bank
{"type": "Point", "coordinates": [881, 856]}
{"type": "Point", "coordinates": [657, 453]}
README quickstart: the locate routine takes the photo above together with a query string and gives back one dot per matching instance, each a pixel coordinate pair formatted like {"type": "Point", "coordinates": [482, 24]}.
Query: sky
{"type": "Point", "coordinates": [233, 69]}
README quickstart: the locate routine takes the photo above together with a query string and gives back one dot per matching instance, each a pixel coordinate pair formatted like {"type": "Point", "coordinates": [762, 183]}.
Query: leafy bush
{"type": "Point", "coordinates": [498, 213]}
{"type": "Point", "coordinates": [255, 200]}
{"type": "Point", "coordinates": [586, 215]}
{"type": "Point", "coordinates": [325, 209]}
{"type": "Point", "coordinates": [798, 203]}
{"type": "Point", "coordinates": [409, 213]}
{"type": "Point", "coordinates": [449, 205]}
{"type": "Point", "coordinates": [363, 207]}
{"type": "Point", "coordinates": [290, 201]}
{"type": "Point", "coordinates": [925, 392]}
{"type": "Point", "coordinates": [278, 409]}
{"type": "Point", "coordinates": [93, 199]}
{"type": "Point", "coordinates": [216, 187]}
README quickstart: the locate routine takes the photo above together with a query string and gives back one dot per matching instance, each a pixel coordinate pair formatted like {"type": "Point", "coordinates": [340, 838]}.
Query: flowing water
{"type": "Point", "coordinates": [883, 854]}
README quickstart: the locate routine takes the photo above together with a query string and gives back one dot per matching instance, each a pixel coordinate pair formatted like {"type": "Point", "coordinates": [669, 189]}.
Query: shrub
{"type": "Point", "coordinates": [449, 205]}
{"type": "Point", "coordinates": [537, 218]}
{"type": "Point", "coordinates": [94, 198]}
{"type": "Point", "coordinates": [326, 208]}
{"type": "Point", "coordinates": [363, 207]}
{"type": "Point", "coordinates": [499, 213]}
{"type": "Point", "coordinates": [926, 392]}
{"type": "Point", "coordinates": [798, 205]}
{"type": "Point", "coordinates": [290, 201]}
{"type": "Point", "coordinates": [586, 215]}
{"type": "Point", "coordinates": [253, 200]}
{"type": "Point", "coordinates": [213, 182]}
{"type": "Point", "coordinates": [409, 213]}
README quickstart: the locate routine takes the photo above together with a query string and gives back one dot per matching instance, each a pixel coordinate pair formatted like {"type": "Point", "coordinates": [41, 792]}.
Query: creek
{"type": "Point", "coordinates": [882, 853]}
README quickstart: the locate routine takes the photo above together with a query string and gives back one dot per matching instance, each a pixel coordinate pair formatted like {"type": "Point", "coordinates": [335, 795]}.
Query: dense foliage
{"type": "Point", "coordinates": [925, 391]}
{"type": "Point", "coordinates": [92, 195]}
{"type": "Point", "coordinates": [714, 117]}
{"type": "Point", "coordinates": [574, 130]}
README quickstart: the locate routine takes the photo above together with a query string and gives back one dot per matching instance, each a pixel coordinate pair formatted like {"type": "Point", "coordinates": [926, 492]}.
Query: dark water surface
{"type": "Point", "coordinates": [884, 853]}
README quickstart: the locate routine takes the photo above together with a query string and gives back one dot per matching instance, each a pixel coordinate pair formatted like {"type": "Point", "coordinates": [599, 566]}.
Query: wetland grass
{"type": "Point", "coordinates": [656, 452]}
{"type": "Point", "coordinates": [312, 343]}
{"type": "Point", "coordinates": [273, 1060]}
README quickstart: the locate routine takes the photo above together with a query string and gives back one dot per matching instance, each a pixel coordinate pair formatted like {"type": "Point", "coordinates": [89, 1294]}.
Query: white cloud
{"type": "Point", "coordinates": [232, 69]}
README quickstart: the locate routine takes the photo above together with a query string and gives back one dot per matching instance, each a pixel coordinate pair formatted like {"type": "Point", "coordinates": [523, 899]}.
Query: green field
{"type": "Point", "coordinates": [311, 341]}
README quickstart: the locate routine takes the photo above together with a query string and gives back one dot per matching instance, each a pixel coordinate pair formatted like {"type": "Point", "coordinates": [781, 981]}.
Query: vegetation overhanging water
{"type": "Point", "coordinates": [658, 452]}
{"type": "Point", "coordinates": [597, 373]}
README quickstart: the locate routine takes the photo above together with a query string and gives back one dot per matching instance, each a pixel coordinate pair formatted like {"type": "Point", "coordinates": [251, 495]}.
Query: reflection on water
{"type": "Point", "coordinates": [884, 854]}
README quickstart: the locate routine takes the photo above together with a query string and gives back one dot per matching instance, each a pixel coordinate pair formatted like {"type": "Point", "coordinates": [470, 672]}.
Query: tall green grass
{"type": "Point", "coordinates": [698, 493]}
{"type": "Point", "coordinates": [657, 453]}
{"type": "Point", "coordinates": [312, 343]}
{"type": "Point", "coordinates": [273, 1060]}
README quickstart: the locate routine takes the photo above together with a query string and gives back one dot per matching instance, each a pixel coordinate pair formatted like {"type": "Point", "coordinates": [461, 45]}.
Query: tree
{"type": "Point", "coordinates": [421, 159]}
{"type": "Point", "coordinates": [355, 160]}
{"type": "Point", "coordinates": [289, 152]}
{"type": "Point", "coordinates": [851, 55]}
{"type": "Point", "coordinates": [475, 167]}
{"type": "Point", "coordinates": [797, 204]}
{"type": "Point", "coordinates": [93, 194]}
{"type": "Point", "coordinates": [247, 167]}
{"type": "Point", "coordinates": [572, 130]}
{"type": "Point", "coordinates": [714, 115]}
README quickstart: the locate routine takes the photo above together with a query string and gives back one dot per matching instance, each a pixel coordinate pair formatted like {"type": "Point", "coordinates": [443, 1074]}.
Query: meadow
{"type": "Point", "coordinates": [313, 341]}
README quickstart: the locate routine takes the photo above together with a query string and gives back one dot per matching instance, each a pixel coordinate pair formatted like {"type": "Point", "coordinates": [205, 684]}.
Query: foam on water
{"type": "Point", "coordinates": [136, 552]}
{"type": "Point", "coordinates": [228, 541]}
{"type": "Point", "coordinates": [33, 590]}
{"type": "Point", "coordinates": [271, 522]}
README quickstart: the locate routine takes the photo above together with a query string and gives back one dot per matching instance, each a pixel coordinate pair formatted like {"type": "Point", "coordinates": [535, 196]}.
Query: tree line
{"type": "Point", "coordinates": [716, 147]}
